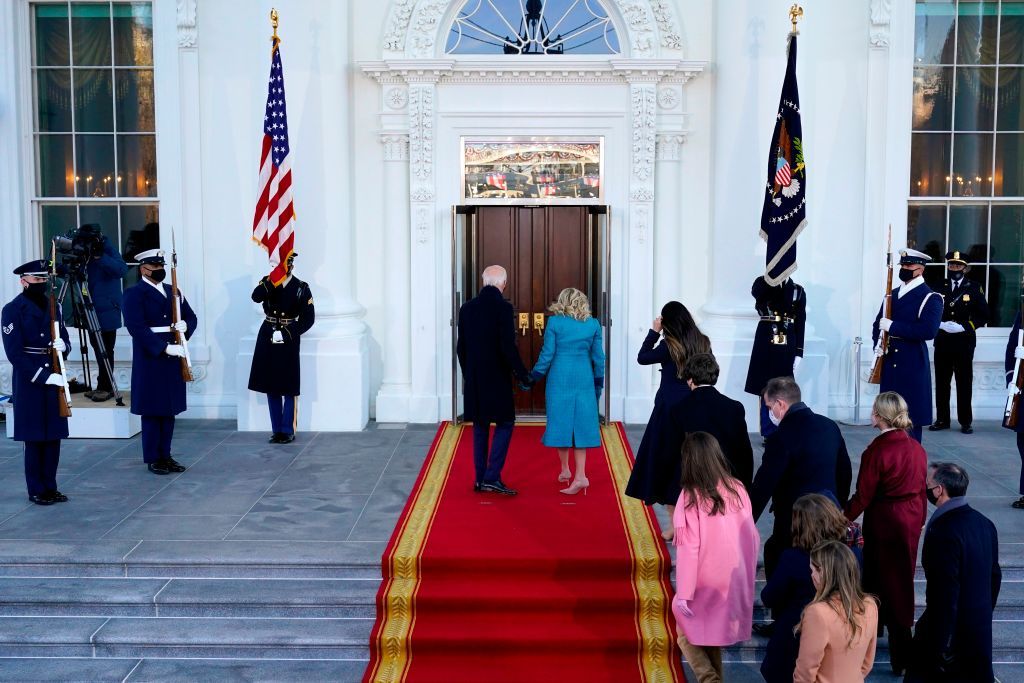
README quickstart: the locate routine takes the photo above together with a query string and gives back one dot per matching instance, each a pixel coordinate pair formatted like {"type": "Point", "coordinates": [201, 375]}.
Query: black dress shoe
{"type": "Point", "coordinates": [476, 486]}
{"type": "Point", "coordinates": [41, 499]}
{"type": "Point", "coordinates": [173, 465]}
{"type": "Point", "coordinates": [57, 497]}
{"type": "Point", "coordinates": [276, 438]}
{"type": "Point", "coordinates": [765, 629]}
{"type": "Point", "coordinates": [285, 437]}
{"type": "Point", "coordinates": [1018, 504]}
{"type": "Point", "coordinates": [497, 487]}
{"type": "Point", "coordinates": [967, 429]}
{"type": "Point", "coordinates": [938, 426]}
{"type": "Point", "coordinates": [101, 396]}
{"type": "Point", "coordinates": [159, 467]}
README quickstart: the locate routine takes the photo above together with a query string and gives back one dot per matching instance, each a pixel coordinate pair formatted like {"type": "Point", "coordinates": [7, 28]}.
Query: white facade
{"type": "Point", "coordinates": [376, 112]}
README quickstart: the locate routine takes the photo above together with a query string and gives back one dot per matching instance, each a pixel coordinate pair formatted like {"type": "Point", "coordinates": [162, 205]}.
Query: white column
{"type": "Point", "coordinates": [669, 243]}
{"type": "Point", "coordinates": [393, 396]}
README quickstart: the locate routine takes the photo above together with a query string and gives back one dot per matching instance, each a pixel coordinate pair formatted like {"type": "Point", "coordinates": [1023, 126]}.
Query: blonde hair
{"type": "Point", "coordinates": [892, 409]}
{"type": "Point", "coordinates": [573, 303]}
{"type": "Point", "coordinates": [840, 585]}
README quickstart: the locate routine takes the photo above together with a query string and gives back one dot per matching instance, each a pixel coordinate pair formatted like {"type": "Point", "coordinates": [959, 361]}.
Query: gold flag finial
{"type": "Point", "coordinates": [796, 13]}
{"type": "Point", "coordinates": [273, 21]}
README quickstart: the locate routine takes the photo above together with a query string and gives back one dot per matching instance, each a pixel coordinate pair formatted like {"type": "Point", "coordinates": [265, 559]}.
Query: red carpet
{"type": "Point", "coordinates": [533, 588]}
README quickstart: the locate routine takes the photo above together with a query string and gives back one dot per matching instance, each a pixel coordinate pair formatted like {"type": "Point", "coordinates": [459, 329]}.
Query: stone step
{"type": "Point", "coordinates": [115, 670]}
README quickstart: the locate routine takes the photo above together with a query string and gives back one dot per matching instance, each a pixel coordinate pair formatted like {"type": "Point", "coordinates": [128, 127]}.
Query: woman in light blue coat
{"type": "Point", "coordinates": [573, 360]}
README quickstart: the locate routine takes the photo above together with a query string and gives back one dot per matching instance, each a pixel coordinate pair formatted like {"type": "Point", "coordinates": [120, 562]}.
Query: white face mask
{"type": "Point", "coordinates": [775, 420]}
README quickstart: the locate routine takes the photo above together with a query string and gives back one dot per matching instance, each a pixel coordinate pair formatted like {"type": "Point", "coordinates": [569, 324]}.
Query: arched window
{"type": "Point", "coordinates": [532, 27]}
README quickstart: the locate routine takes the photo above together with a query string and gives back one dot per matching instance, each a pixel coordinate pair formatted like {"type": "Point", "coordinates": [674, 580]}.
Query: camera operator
{"type": "Point", "coordinates": [104, 270]}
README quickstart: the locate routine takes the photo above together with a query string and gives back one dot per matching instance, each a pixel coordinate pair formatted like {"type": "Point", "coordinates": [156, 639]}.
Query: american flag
{"type": "Point", "coordinates": [782, 172]}
{"type": "Point", "coordinates": [273, 226]}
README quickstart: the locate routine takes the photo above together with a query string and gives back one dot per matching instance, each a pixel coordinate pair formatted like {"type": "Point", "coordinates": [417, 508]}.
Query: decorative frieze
{"type": "Point", "coordinates": [421, 140]}
{"type": "Point", "coordinates": [396, 146]}
{"type": "Point", "coordinates": [670, 146]}
{"type": "Point", "coordinates": [642, 96]}
{"type": "Point", "coordinates": [187, 32]}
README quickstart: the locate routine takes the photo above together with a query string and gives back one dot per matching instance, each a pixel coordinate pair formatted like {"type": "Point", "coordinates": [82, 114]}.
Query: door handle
{"type": "Point", "coordinates": [538, 323]}
{"type": "Point", "coordinates": [524, 323]}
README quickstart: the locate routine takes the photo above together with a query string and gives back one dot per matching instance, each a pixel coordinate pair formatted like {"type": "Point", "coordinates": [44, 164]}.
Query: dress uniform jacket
{"type": "Point", "coordinates": [1011, 344]}
{"type": "Point", "coordinates": [768, 360]}
{"type": "Point", "coordinates": [26, 333]}
{"type": "Point", "coordinates": [916, 315]}
{"type": "Point", "coordinates": [967, 307]}
{"type": "Point", "coordinates": [157, 386]}
{"type": "Point", "coordinates": [275, 367]}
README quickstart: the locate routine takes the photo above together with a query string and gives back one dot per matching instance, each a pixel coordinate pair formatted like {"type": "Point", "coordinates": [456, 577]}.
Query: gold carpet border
{"type": "Point", "coordinates": [656, 640]}
{"type": "Point", "coordinates": [400, 600]}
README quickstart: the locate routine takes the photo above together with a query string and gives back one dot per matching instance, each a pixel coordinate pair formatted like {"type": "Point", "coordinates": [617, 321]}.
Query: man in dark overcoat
{"type": "Point", "coordinates": [489, 360]}
{"type": "Point", "coordinates": [708, 410]}
{"type": "Point", "coordinates": [104, 273]}
{"type": "Point", "coordinates": [1014, 355]}
{"type": "Point", "coordinates": [806, 454]}
{"type": "Point", "coordinates": [779, 338]}
{"type": "Point", "coordinates": [960, 557]}
{"type": "Point", "coordinates": [964, 311]}
{"type": "Point", "coordinates": [288, 314]}
{"type": "Point", "coordinates": [28, 340]}
{"type": "Point", "coordinates": [158, 389]}
{"type": "Point", "coordinates": [916, 314]}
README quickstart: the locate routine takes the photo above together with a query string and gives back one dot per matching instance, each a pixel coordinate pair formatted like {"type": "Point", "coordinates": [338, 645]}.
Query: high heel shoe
{"type": "Point", "coordinates": [579, 485]}
{"type": "Point", "coordinates": [565, 476]}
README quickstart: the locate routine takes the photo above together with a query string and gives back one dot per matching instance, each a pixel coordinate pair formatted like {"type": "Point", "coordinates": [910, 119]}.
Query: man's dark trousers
{"type": "Point", "coordinates": [157, 431]}
{"type": "Point", "coordinates": [954, 358]}
{"type": "Point", "coordinates": [41, 460]}
{"type": "Point", "coordinates": [489, 469]}
{"type": "Point", "coordinates": [108, 338]}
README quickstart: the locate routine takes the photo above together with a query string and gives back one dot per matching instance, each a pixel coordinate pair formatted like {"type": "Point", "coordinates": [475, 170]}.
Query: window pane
{"type": "Point", "coordinates": [53, 100]}
{"type": "Point", "coordinates": [975, 98]}
{"type": "Point", "coordinates": [934, 275]}
{"type": "Point", "coordinates": [56, 219]}
{"type": "Point", "coordinates": [1009, 177]}
{"type": "Point", "coordinates": [1011, 33]}
{"type": "Point", "coordinates": [933, 95]}
{"type": "Point", "coordinates": [94, 101]}
{"type": "Point", "coordinates": [140, 230]}
{"type": "Point", "coordinates": [976, 32]}
{"type": "Point", "coordinates": [972, 165]}
{"type": "Point", "coordinates": [511, 27]}
{"type": "Point", "coordinates": [90, 33]}
{"type": "Point", "coordinates": [133, 34]}
{"type": "Point", "coordinates": [105, 215]}
{"type": "Point", "coordinates": [56, 166]}
{"type": "Point", "coordinates": [95, 155]}
{"type": "Point", "coordinates": [1008, 234]}
{"type": "Point", "coordinates": [1004, 294]}
{"type": "Point", "coordinates": [933, 33]}
{"type": "Point", "coordinates": [968, 231]}
{"type": "Point", "coordinates": [136, 161]}
{"type": "Point", "coordinates": [1010, 113]}
{"type": "Point", "coordinates": [135, 100]}
{"type": "Point", "coordinates": [929, 164]}
{"type": "Point", "coordinates": [926, 229]}
{"type": "Point", "coordinates": [52, 44]}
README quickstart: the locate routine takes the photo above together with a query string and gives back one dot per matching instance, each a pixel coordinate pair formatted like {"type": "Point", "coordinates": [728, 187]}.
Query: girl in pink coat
{"type": "Point", "coordinates": [716, 557]}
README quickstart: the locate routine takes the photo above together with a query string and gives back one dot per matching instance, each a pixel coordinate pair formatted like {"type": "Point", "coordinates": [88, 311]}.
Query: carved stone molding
{"type": "Point", "coordinates": [396, 98]}
{"type": "Point", "coordinates": [398, 25]}
{"type": "Point", "coordinates": [422, 224]}
{"type": "Point", "coordinates": [395, 73]}
{"type": "Point", "coordinates": [188, 35]}
{"type": "Point", "coordinates": [670, 146]}
{"type": "Point", "coordinates": [396, 146]}
{"type": "Point", "coordinates": [640, 222]}
{"type": "Point", "coordinates": [881, 17]}
{"type": "Point", "coordinates": [421, 141]}
{"type": "Point", "coordinates": [642, 194]}
{"type": "Point", "coordinates": [643, 114]}
{"type": "Point", "coordinates": [668, 98]}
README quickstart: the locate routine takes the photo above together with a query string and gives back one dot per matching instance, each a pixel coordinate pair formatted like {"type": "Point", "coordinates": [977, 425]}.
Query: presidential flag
{"type": "Point", "coordinates": [273, 226]}
{"type": "Point", "coordinates": [784, 214]}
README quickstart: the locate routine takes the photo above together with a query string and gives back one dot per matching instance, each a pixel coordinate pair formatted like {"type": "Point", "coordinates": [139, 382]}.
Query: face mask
{"type": "Point", "coordinates": [906, 275]}
{"type": "Point", "coordinates": [775, 420]}
{"type": "Point", "coordinates": [956, 276]}
{"type": "Point", "coordinates": [158, 275]}
{"type": "Point", "coordinates": [932, 498]}
{"type": "Point", "coordinates": [37, 290]}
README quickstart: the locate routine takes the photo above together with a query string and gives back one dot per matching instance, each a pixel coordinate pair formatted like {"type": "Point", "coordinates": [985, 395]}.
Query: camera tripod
{"type": "Point", "coordinates": [84, 310]}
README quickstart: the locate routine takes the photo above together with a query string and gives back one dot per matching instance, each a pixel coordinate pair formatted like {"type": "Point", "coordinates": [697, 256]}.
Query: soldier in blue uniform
{"type": "Point", "coordinates": [916, 314]}
{"type": "Point", "coordinates": [288, 310]}
{"type": "Point", "coordinates": [26, 327]}
{"type": "Point", "coordinates": [158, 390]}
{"type": "Point", "coordinates": [1014, 354]}
{"type": "Point", "coordinates": [964, 311]}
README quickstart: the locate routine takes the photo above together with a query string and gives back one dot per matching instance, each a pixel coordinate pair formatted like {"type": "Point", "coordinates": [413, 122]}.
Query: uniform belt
{"type": "Point", "coordinates": [36, 350]}
{"type": "Point", "coordinates": [158, 330]}
{"type": "Point", "coordinates": [775, 319]}
{"type": "Point", "coordinates": [280, 321]}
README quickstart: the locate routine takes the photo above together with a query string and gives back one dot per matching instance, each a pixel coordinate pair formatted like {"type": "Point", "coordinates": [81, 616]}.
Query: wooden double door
{"type": "Point", "coordinates": [544, 249]}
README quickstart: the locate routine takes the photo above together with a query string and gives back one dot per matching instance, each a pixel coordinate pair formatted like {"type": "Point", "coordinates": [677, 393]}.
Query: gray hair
{"type": "Point", "coordinates": [494, 276]}
{"type": "Point", "coordinates": [951, 477]}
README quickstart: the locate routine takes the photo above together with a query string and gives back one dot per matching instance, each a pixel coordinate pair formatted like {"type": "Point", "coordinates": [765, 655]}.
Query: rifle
{"type": "Point", "coordinates": [56, 357]}
{"type": "Point", "coordinates": [1010, 415]}
{"type": "Point", "coordinates": [179, 337]}
{"type": "Point", "coordinates": [883, 336]}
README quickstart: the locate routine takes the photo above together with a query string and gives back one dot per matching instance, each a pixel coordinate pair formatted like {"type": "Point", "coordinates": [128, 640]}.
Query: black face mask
{"type": "Point", "coordinates": [906, 275]}
{"type": "Point", "coordinates": [158, 275]}
{"type": "Point", "coordinates": [37, 290]}
{"type": "Point", "coordinates": [932, 498]}
{"type": "Point", "coordinates": [956, 276]}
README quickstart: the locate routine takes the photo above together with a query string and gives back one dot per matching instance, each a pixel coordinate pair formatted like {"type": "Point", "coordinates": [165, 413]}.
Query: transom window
{"type": "Point", "coordinates": [532, 27]}
{"type": "Point", "coordinates": [967, 149]}
{"type": "Point", "coordinates": [94, 121]}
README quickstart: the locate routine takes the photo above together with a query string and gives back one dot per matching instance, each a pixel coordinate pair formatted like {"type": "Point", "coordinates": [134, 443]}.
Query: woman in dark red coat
{"type": "Point", "coordinates": [891, 494]}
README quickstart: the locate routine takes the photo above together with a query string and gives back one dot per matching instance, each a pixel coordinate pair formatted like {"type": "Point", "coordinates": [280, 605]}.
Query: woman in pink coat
{"type": "Point", "coordinates": [716, 556]}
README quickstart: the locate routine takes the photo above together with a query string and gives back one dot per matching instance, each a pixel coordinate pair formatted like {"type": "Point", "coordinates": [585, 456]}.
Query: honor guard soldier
{"type": "Point", "coordinates": [28, 342]}
{"type": "Point", "coordinates": [1014, 358]}
{"type": "Point", "coordinates": [778, 339]}
{"type": "Point", "coordinates": [288, 307]}
{"type": "Point", "coordinates": [964, 311]}
{"type": "Point", "coordinates": [916, 314]}
{"type": "Point", "coordinates": [158, 389]}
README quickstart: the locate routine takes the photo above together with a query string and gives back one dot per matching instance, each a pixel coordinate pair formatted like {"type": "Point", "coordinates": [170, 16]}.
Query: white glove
{"type": "Point", "coordinates": [1018, 352]}
{"type": "Point", "coordinates": [878, 351]}
{"type": "Point", "coordinates": [175, 350]}
{"type": "Point", "coordinates": [1012, 390]}
{"type": "Point", "coordinates": [951, 327]}
{"type": "Point", "coordinates": [180, 326]}
{"type": "Point", "coordinates": [277, 337]}
{"type": "Point", "coordinates": [56, 380]}
{"type": "Point", "coordinates": [884, 324]}
{"type": "Point", "coordinates": [796, 363]}
{"type": "Point", "coordinates": [58, 345]}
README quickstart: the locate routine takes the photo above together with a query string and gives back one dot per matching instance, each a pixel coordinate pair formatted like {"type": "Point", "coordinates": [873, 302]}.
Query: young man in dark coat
{"type": "Point", "coordinates": [807, 454]}
{"type": "Point", "coordinates": [28, 340]}
{"type": "Point", "coordinates": [707, 410]}
{"type": "Point", "coordinates": [964, 311]}
{"type": "Point", "coordinates": [960, 557]}
{"type": "Point", "coordinates": [158, 389]}
{"type": "Point", "coordinates": [489, 360]}
{"type": "Point", "coordinates": [289, 313]}
{"type": "Point", "coordinates": [779, 338]}
{"type": "Point", "coordinates": [104, 273]}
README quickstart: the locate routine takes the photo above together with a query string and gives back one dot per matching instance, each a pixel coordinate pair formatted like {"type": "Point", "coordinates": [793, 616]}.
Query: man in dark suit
{"type": "Point", "coordinates": [489, 359]}
{"type": "Point", "coordinates": [964, 311]}
{"type": "Point", "coordinates": [960, 556]}
{"type": "Point", "coordinates": [707, 410]}
{"type": "Point", "coordinates": [806, 454]}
